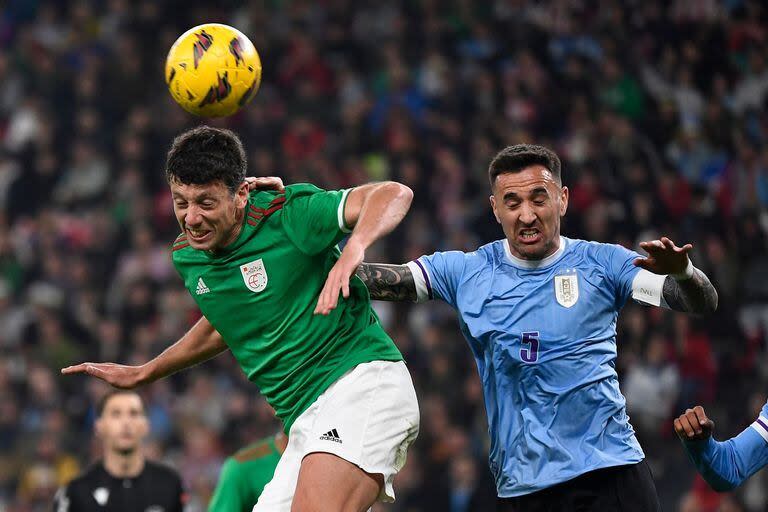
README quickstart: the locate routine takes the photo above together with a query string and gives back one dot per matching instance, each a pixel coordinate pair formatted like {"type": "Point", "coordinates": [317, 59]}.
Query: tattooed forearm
{"type": "Point", "coordinates": [694, 295]}
{"type": "Point", "coordinates": [388, 282]}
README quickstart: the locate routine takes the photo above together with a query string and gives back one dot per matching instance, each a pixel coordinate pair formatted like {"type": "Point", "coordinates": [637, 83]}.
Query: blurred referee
{"type": "Point", "coordinates": [124, 481]}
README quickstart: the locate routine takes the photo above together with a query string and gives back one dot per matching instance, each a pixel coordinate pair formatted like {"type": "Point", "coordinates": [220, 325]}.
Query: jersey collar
{"type": "Point", "coordinates": [531, 264]}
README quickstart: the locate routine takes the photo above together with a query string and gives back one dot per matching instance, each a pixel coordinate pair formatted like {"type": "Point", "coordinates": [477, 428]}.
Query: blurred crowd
{"type": "Point", "coordinates": [657, 109]}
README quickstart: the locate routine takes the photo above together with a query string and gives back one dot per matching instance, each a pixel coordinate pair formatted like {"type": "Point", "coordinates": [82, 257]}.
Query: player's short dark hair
{"type": "Point", "coordinates": [204, 155]}
{"type": "Point", "coordinates": [518, 157]}
{"type": "Point", "coordinates": [102, 403]}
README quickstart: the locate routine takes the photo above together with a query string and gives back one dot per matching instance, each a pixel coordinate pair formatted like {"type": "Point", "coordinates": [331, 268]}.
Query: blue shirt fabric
{"type": "Point", "coordinates": [546, 359]}
{"type": "Point", "coordinates": [726, 465]}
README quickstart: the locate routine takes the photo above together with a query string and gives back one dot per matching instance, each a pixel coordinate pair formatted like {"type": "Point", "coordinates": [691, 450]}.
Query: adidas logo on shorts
{"type": "Point", "coordinates": [331, 435]}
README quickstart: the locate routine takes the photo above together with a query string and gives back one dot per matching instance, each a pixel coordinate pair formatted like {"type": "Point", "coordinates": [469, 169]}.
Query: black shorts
{"type": "Point", "coordinates": [618, 489]}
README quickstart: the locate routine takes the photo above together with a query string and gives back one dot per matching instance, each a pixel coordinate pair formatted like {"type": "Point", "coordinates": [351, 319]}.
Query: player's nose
{"type": "Point", "coordinates": [193, 217]}
{"type": "Point", "coordinates": [527, 215]}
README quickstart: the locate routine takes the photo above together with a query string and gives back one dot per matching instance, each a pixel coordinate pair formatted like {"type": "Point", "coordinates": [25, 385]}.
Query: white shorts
{"type": "Point", "coordinates": [368, 417]}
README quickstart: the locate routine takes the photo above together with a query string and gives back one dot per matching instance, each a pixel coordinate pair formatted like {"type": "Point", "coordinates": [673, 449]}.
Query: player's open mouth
{"type": "Point", "coordinates": [529, 236]}
{"type": "Point", "coordinates": [198, 236]}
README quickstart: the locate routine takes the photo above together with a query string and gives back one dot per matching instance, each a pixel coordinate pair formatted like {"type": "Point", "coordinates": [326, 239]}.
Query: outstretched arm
{"type": "Point", "coordinates": [685, 287]}
{"type": "Point", "coordinates": [388, 282]}
{"type": "Point", "coordinates": [693, 295]}
{"type": "Point", "coordinates": [724, 465]}
{"type": "Point", "coordinates": [374, 210]}
{"type": "Point", "coordinates": [199, 344]}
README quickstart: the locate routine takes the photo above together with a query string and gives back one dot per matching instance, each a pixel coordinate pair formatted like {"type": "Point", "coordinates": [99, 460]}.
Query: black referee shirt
{"type": "Point", "coordinates": [156, 489]}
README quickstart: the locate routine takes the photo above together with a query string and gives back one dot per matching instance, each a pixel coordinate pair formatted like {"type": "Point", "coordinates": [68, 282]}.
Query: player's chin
{"type": "Point", "coordinates": [535, 251]}
{"type": "Point", "coordinates": [204, 243]}
{"type": "Point", "coordinates": [201, 247]}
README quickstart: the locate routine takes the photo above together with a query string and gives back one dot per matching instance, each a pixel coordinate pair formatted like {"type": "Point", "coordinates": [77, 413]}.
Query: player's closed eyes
{"type": "Point", "coordinates": [537, 202]}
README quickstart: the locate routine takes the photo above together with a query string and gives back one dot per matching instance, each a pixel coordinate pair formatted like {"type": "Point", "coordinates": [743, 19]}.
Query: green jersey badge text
{"type": "Point", "coordinates": [254, 275]}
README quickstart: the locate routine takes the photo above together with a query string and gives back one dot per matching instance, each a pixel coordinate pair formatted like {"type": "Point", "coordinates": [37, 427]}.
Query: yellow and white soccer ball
{"type": "Point", "coordinates": [213, 70]}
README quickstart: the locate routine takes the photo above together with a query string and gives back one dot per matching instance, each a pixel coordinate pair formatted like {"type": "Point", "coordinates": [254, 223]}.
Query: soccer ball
{"type": "Point", "coordinates": [212, 70]}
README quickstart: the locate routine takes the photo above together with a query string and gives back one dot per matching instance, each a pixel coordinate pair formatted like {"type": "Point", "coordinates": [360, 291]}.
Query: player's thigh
{"type": "Point", "coordinates": [369, 418]}
{"type": "Point", "coordinates": [328, 482]}
{"type": "Point", "coordinates": [278, 493]}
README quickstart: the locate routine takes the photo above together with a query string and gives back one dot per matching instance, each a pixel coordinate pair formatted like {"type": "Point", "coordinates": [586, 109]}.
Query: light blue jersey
{"type": "Point", "coordinates": [543, 334]}
{"type": "Point", "coordinates": [728, 464]}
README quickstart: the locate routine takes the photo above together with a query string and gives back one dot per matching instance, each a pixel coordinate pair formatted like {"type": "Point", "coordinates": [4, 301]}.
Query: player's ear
{"type": "Point", "coordinates": [563, 201]}
{"type": "Point", "coordinates": [241, 195]}
{"type": "Point", "coordinates": [493, 207]}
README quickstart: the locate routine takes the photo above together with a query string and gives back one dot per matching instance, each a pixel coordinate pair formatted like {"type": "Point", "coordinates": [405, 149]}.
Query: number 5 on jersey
{"type": "Point", "coordinates": [529, 351]}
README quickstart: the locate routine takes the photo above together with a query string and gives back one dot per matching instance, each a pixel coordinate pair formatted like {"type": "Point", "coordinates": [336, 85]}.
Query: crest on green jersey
{"type": "Point", "coordinates": [254, 275]}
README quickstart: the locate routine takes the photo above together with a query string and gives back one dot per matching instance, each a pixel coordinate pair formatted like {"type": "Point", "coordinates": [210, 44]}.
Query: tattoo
{"type": "Point", "coordinates": [388, 282]}
{"type": "Point", "coordinates": [694, 295]}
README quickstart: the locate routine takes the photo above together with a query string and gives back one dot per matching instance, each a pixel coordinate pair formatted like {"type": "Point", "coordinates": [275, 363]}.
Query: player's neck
{"type": "Point", "coordinates": [532, 263]}
{"type": "Point", "coordinates": [121, 465]}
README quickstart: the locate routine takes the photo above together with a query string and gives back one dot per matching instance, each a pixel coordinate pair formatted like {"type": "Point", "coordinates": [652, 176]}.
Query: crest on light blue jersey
{"type": "Point", "coordinates": [567, 288]}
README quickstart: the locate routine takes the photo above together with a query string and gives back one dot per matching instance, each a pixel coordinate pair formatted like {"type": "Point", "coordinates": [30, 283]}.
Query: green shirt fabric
{"type": "Point", "coordinates": [259, 293]}
{"type": "Point", "coordinates": [244, 476]}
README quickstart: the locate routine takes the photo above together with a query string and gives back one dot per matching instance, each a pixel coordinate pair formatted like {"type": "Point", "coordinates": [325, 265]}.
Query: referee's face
{"type": "Point", "coordinates": [123, 425]}
{"type": "Point", "coordinates": [529, 204]}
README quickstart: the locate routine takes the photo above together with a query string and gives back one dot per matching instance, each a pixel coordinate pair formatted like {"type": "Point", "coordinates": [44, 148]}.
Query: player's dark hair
{"type": "Point", "coordinates": [102, 403]}
{"type": "Point", "coordinates": [204, 155]}
{"type": "Point", "coordinates": [518, 157]}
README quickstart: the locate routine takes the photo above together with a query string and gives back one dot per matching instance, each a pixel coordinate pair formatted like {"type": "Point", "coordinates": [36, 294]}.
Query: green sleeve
{"type": "Point", "coordinates": [230, 495]}
{"type": "Point", "coordinates": [314, 218]}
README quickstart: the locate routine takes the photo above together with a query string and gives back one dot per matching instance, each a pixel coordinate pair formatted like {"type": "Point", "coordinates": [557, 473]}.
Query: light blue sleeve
{"type": "Point", "coordinates": [443, 274]}
{"type": "Point", "coordinates": [621, 271]}
{"type": "Point", "coordinates": [726, 465]}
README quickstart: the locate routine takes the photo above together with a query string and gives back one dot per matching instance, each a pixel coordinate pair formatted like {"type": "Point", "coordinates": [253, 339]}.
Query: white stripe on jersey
{"type": "Point", "coordinates": [761, 425]}
{"type": "Point", "coordinates": [420, 279]}
{"type": "Point", "coordinates": [340, 213]}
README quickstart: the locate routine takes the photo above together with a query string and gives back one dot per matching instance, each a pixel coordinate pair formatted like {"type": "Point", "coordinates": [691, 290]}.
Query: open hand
{"type": "Point", "coordinates": [693, 425]}
{"type": "Point", "coordinates": [265, 183]}
{"type": "Point", "coordinates": [118, 375]}
{"type": "Point", "coordinates": [664, 257]}
{"type": "Point", "coordinates": [338, 278]}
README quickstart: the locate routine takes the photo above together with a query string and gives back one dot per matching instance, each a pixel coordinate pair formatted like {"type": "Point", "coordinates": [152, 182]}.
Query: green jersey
{"type": "Point", "coordinates": [244, 476]}
{"type": "Point", "coordinates": [260, 292]}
